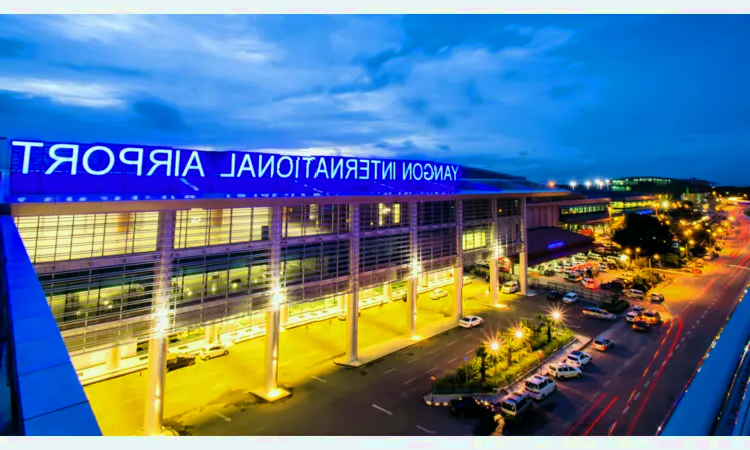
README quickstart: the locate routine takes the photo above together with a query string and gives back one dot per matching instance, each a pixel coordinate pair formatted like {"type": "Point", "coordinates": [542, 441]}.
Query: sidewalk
{"type": "Point", "coordinates": [98, 373]}
{"type": "Point", "coordinates": [376, 352]}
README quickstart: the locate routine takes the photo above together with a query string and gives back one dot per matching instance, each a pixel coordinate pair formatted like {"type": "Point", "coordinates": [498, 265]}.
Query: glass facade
{"type": "Point", "coordinates": [219, 284]}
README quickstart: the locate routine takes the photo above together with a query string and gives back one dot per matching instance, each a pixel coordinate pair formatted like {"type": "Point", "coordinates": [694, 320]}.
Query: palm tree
{"type": "Point", "coordinates": [482, 354]}
{"type": "Point", "coordinates": [544, 319]}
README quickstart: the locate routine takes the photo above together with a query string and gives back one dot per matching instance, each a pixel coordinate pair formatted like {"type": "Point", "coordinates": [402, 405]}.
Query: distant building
{"type": "Point", "coordinates": [688, 189]}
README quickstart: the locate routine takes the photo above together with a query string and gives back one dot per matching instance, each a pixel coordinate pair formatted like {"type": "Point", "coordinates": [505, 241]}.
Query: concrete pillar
{"type": "Point", "coordinates": [273, 326]}
{"type": "Point", "coordinates": [284, 313]}
{"type": "Point", "coordinates": [210, 334]}
{"type": "Point", "coordinates": [424, 280]}
{"type": "Point", "coordinates": [273, 316]}
{"type": "Point", "coordinates": [414, 271]}
{"type": "Point", "coordinates": [387, 290]}
{"type": "Point", "coordinates": [523, 255]}
{"type": "Point", "coordinates": [458, 283]}
{"type": "Point", "coordinates": [160, 324]}
{"type": "Point", "coordinates": [494, 254]}
{"type": "Point", "coordinates": [113, 358]}
{"type": "Point", "coordinates": [458, 270]}
{"type": "Point", "coordinates": [352, 306]}
{"type": "Point", "coordinates": [341, 300]}
{"type": "Point", "coordinates": [411, 302]}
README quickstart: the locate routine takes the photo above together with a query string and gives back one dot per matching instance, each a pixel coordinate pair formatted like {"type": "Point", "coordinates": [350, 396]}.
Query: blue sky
{"type": "Point", "coordinates": [547, 97]}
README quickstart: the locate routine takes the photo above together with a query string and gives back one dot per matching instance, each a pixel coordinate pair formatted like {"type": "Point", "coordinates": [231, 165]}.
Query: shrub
{"type": "Point", "coordinates": [618, 307]}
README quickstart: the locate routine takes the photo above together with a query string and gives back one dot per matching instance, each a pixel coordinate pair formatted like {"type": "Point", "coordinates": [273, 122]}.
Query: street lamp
{"type": "Point", "coordinates": [494, 346]}
{"type": "Point", "coordinates": [519, 334]}
{"type": "Point", "coordinates": [573, 184]}
{"type": "Point", "coordinates": [588, 185]}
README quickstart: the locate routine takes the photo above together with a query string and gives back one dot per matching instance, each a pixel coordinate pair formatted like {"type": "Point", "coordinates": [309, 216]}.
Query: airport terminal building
{"type": "Point", "coordinates": [140, 248]}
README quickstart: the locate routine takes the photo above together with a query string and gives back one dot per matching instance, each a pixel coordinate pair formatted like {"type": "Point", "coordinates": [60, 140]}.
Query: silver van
{"type": "Point", "coordinates": [515, 404]}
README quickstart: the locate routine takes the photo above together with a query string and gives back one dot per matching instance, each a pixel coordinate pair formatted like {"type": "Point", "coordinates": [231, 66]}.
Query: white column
{"type": "Point", "coordinates": [278, 300]}
{"type": "Point", "coordinates": [273, 326]}
{"type": "Point", "coordinates": [113, 358]}
{"type": "Point", "coordinates": [458, 270]}
{"type": "Point", "coordinates": [424, 280]}
{"type": "Point", "coordinates": [494, 254]}
{"type": "Point", "coordinates": [387, 290]}
{"type": "Point", "coordinates": [157, 347]}
{"type": "Point", "coordinates": [411, 302]}
{"type": "Point", "coordinates": [352, 307]}
{"type": "Point", "coordinates": [210, 334]}
{"type": "Point", "coordinates": [523, 255]}
{"type": "Point", "coordinates": [284, 313]}
{"type": "Point", "coordinates": [458, 283]}
{"type": "Point", "coordinates": [341, 300]}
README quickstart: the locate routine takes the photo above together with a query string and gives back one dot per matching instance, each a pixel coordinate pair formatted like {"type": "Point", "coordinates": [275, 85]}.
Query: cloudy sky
{"type": "Point", "coordinates": [547, 97]}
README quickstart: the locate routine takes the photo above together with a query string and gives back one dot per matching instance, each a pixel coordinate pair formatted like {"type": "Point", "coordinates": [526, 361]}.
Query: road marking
{"type": "Point", "coordinates": [408, 381]}
{"type": "Point", "coordinates": [389, 371]}
{"type": "Point", "coordinates": [678, 346]}
{"type": "Point", "coordinates": [451, 360]}
{"type": "Point", "coordinates": [223, 416]}
{"type": "Point", "coordinates": [432, 370]}
{"type": "Point", "coordinates": [410, 361]}
{"type": "Point", "coordinates": [262, 428]}
{"type": "Point", "coordinates": [469, 351]}
{"type": "Point", "coordinates": [688, 333]}
{"type": "Point", "coordinates": [450, 343]}
{"type": "Point", "coordinates": [319, 379]}
{"type": "Point", "coordinates": [682, 340]}
{"type": "Point", "coordinates": [382, 409]}
{"type": "Point", "coordinates": [467, 336]}
{"type": "Point", "coordinates": [283, 363]}
{"type": "Point", "coordinates": [696, 323]}
{"type": "Point", "coordinates": [607, 383]}
{"type": "Point", "coordinates": [646, 385]}
{"type": "Point", "coordinates": [626, 409]}
{"type": "Point", "coordinates": [432, 351]}
{"type": "Point", "coordinates": [425, 430]}
{"type": "Point", "coordinates": [663, 363]}
{"type": "Point", "coordinates": [612, 428]}
{"type": "Point", "coordinates": [637, 394]}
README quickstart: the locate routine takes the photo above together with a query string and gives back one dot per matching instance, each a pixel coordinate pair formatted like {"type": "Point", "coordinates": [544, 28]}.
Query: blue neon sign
{"type": "Point", "coordinates": [41, 171]}
{"type": "Point", "coordinates": [556, 244]}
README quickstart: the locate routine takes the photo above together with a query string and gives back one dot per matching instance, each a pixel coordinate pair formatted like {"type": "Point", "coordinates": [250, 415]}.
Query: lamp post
{"type": "Point", "coordinates": [588, 185]}
{"type": "Point", "coordinates": [656, 257]}
{"type": "Point", "coordinates": [573, 184]}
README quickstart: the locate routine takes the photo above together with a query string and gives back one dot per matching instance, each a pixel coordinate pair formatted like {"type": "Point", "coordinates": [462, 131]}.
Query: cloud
{"type": "Point", "coordinates": [64, 92]}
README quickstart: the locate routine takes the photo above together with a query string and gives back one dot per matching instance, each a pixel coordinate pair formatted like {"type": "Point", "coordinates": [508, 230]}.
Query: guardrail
{"type": "Point", "coordinates": [698, 410]}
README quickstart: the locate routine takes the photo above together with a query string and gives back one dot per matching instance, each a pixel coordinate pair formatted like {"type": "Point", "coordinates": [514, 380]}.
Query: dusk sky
{"type": "Point", "coordinates": [547, 97]}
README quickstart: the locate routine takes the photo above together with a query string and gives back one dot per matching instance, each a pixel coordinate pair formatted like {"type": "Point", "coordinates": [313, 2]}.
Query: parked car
{"type": "Point", "coordinates": [515, 404]}
{"type": "Point", "coordinates": [470, 407]}
{"type": "Point", "coordinates": [599, 313]}
{"type": "Point", "coordinates": [470, 322]}
{"type": "Point", "coordinates": [640, 325]}
{"type": "Point", "coordinates": [437, 294]}
{"type": "Point", "coordinates": [212, 351]}
{"type": "Point", "coordinates": [696, 271]}
{"type": "Point", "coordinates": [510, 287]}
{"type": "Point", "coordinates": [603, 267]}
{"type": "Point", "coordinates": [549, 273]}
{"type": "Point", "coordinates": [637, 309]}
{"type": "Point", "coordinates": [554, 295]}
{"type": "Point", "coordinates": [467, 280]}
{"type": "Point", "coordinates": [578, 359]}
{"type": "Point", "coordinates": [632, 316]}
{"type": "Point", "coordinates": [633, 293]}
{"type": "Point", "coordinates": [652, 317]}
{"type": "Point", "coordinates": [563, 371]}
{"type": "Point", "coordinates": [539, 387]}
{"type": "Point", "coordinates": [657, 297]}
{"type": "Point", "coordinates": [570, 297]}
{"type": "Point", "coordinates": [602, 344]}
{"type": "Point", "coordinates": [178, 360]}
{"type": "Point", "coordinates": [589, 283]}
{"type": "Point", "coordinates": [573, 277]}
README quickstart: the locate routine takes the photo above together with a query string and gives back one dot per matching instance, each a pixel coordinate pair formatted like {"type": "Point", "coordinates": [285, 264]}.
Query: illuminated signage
{"type": "Point", "coordinates": [645, 212]}
{"type": "Point", "coordinates": [47, 168]}
{"type": "Point", "coordinates": [556, 244]}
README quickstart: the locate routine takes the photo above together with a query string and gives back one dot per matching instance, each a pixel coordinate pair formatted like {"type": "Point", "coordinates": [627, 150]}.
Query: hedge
{"type": "Point", "coordinates": [497, 375]}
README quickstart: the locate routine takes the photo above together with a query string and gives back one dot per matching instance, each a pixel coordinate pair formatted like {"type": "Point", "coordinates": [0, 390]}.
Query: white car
{"type": "Point", "coordinates": [633, 293]}
{"type": "Point", "coordinates": [632, 316]}
{"type": "Point", "coordinates": [470, 322]}
{"type": "Point", "coordinates": [510, 287]}
{"type": "Point", "coordinates": [563, 371]}
{"type": "Point", "coordinates": [467, 280]}
{"type": "Point", "coordinates": [578, 359]}
{"type": "Point", "coordinates": [637, 309]}
{"type": "Point", "coordinates": [212, 351]}
{"type": "Point", "coordinates": [603, 267]}
{"type": "Point", "coordinates": [570, 297]}
{"type": "Point", "coordinates": [539, 387]}
{"type": "Point", "coordinates": [437, 294]}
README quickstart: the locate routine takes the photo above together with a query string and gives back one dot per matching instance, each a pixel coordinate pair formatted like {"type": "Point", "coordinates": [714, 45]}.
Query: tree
{"type": "Point", "coordinates": [482, 353]}
{"type": "Point", "coordinates": [545, 320]}
{"type": "Point", "coordinates": [646, 233]}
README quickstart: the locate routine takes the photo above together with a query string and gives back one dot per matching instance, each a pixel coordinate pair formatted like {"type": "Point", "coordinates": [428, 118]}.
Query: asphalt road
{"type": "Point", "coordinates": [385, 398]}
{"type": "Point", "coordinates": [629, 390]}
